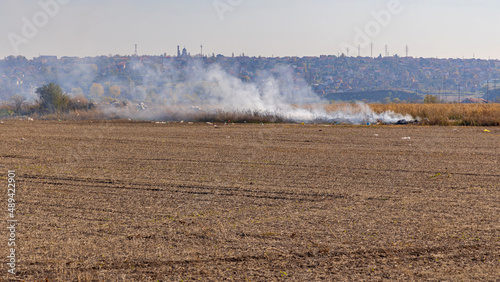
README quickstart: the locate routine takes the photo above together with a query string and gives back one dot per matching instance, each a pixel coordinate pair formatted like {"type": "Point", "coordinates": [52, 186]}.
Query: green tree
{"type": "Point", "coordinates": [431, 99]}
{"type": "Point", "coordinates": [52, 98]}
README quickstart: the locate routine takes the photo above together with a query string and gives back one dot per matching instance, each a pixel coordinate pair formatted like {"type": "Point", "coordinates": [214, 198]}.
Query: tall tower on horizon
{"type": "Point", "coordinates": [178, 51]}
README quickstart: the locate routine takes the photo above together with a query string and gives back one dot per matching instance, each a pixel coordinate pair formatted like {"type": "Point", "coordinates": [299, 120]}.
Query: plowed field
{"type": "Point", "coordinates": [125, 201]}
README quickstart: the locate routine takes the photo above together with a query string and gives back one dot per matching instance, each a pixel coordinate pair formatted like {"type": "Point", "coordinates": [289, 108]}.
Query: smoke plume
{"type": "Point", "coordinates": [196, 88]}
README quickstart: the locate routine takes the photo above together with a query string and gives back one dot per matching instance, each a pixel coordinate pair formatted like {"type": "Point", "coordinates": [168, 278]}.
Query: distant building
{"type": "Point", "coordinates": [184, 53]}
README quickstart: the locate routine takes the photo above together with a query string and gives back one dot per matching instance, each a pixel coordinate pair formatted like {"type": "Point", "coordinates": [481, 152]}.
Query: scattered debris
{"type": "Point", "coordinates": [190, 122]}
{"type": "Point", "coordinates": [404, 121]}
{"type": "Point", "coordinates": [487, 131]}
{"type": "Point", "coordinates": [376, 135]}
{"type": "Point", "coordinates": [141, 106]}
{"type": "Point", "coordinates": [182, 121]}
{"type": "Point", "coordinates": [436, 175]}
{"type": "Point", "coordinates": [406, 138]}
{"type": "Point", "coordinates": [118, 104]}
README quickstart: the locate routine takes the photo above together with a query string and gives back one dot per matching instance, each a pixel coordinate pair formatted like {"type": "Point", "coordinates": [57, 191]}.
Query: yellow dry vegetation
{"type": "Point", "coordinates": [442, 114]}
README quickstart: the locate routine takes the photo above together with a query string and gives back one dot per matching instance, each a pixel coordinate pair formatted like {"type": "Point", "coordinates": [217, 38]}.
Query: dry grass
{"type": "Point", "coordinates": [170, 114]}
{"type": "Point", "coordinates": [447, 114]}
{"type": "Point", "coordinates": [165, 114]}
{"type": "Point", "coordinates": [429, 114]}
{"type": "Point", "coordinates": [240, 116]}
{"type": "Point", "coordinates": [78, 115]}
{"type": "Point", "coordinates": [127, 201]}
{"type": "Point", "coordinates": [6, 111]}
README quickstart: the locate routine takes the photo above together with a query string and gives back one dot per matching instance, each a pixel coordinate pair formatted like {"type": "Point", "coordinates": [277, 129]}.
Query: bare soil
{"type": "Point", "coordinates": [125, 201]}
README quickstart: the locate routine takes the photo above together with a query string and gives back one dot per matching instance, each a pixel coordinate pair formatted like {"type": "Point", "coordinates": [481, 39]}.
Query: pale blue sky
{"type": "Point", "coordinates": [431, 28]}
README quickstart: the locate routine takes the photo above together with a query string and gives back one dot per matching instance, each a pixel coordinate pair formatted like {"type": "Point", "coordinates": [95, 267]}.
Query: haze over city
{"type": "Point", "coordinates": [250, 140]}
{"type": "Point", "coordinates": [437, 28]}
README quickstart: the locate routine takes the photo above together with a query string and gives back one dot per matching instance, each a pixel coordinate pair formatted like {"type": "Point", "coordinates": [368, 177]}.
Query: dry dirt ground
{"type": "Point", "coordinates": [125, 201]}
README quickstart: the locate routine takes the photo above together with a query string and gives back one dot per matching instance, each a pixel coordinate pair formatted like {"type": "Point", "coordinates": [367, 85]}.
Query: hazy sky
{"type": "Point", "coordinates": [431, 28]}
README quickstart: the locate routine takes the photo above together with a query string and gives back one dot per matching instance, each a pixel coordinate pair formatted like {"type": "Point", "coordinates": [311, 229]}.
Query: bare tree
{"type": "Point", "coordinates": [18, 101]}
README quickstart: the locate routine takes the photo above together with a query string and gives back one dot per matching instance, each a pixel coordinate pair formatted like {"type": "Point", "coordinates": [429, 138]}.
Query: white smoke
{"type": "Point", "coordinates": [276, 92]}
{"type": "Point", "coordinates": [362, 113]}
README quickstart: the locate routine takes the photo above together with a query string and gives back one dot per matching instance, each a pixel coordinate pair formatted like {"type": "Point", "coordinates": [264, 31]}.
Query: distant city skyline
{"type": "Point", "coordinates": [430, 28]}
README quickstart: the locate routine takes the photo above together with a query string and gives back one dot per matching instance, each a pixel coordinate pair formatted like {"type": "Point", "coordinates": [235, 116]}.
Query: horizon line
{"type": "Point", "coordinates": [242, 55]}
